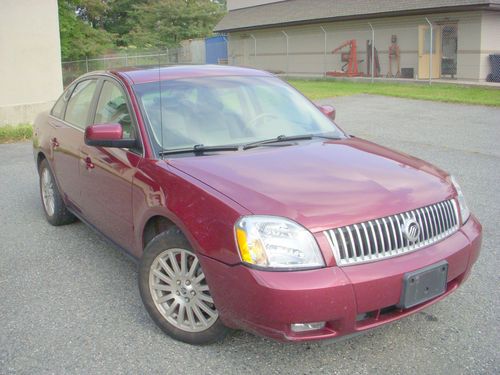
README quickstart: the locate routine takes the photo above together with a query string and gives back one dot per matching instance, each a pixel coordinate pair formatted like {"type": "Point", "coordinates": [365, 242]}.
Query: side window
{"type": "Point", "coordinates": [112, 108]}
{"type": "Point", "coordinates": [79, 104]}
{"type": "Point", "coordinates": [58, 109]}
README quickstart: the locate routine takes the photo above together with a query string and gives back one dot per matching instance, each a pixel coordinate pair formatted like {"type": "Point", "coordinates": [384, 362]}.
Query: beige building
{"type": "Point", "coordinates": [30, 64]}
{"type": "Point", "coordinates": [298, 36]}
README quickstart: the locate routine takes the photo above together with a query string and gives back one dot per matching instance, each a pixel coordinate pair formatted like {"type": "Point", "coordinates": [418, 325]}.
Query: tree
{"type": "Point", "coordinates": [91, 27]}
{"type": "Point", "coordinates": [79, 39]}
{"type": "Point", "coordinates": [93, 12]}
{"type": "Point", "coordinates": [165, 23]}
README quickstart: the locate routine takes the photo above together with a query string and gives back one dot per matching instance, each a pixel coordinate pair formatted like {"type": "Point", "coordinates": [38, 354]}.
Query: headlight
{"type": "Point", "coordinates": [464, 209]}
{"type": "Point", "coordinates": [275, 242]}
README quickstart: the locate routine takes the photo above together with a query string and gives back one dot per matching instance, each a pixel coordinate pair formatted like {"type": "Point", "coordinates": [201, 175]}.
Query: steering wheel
{"type": "Point", "coordinates": [261, 116]}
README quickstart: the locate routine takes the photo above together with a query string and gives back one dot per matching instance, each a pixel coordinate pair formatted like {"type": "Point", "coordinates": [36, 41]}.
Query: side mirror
{"type": "Point", "coordinates": [328, 111]}
{"type": "Point", "coordinates": [107, 135]}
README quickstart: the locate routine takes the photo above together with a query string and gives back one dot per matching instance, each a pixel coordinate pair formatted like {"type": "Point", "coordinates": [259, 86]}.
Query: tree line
{"type": "Point", "coordinates": [91, 28]}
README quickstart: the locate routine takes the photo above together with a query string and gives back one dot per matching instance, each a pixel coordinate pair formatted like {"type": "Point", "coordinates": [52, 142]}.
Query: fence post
{"type": "Point", "coordinates": [126, 59]}
{"type": "Point", "coordinates": [87, 63]}
{"type": "Point", "coordinates": [254, 48]}
{"type": "Point", "coordinates": [430, 50]}
{"type": "Point", "coordinates": [287, 64]}
{"type": "Point", "coordinates": [373, 53]}
{"type": "Point", "coordinates": [324, 51]}
{"type": "Point", "coordinates": [227, 49]}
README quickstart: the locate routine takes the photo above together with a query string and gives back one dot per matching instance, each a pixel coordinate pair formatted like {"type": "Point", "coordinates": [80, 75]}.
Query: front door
{"type": "Point", "coordinates": [424, 44]}
{"type": "Point", "coordinates": [107, 173]}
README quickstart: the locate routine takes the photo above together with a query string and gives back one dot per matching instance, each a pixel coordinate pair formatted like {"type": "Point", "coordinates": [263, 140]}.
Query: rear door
{"type": "Point", "coordinates": [70, 116]}
{"type": "Point", "coordinates": [107, 173]}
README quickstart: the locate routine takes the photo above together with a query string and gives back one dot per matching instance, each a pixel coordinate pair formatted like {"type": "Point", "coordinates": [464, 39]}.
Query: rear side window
{"type": "Point", "coordinates": [58, 109]}
{"type": "Point", "coordinates": [77, 111]}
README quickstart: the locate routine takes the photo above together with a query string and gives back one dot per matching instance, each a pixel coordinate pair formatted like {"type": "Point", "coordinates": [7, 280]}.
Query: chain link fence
{"type": "Point", "coordinates": [404, 48]}
{"type": "Point", "coordinates": [197, 51]}
{"type": "Point", "coordinates": [413, 48]}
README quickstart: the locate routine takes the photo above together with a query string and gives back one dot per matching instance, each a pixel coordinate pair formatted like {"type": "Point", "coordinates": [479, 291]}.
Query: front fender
{"type": "Point", "coordinates": [205, 216]}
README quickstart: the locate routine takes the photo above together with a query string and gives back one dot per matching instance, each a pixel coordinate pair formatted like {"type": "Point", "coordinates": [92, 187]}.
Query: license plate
{"type": "Point", "coordinates": [424, 284]}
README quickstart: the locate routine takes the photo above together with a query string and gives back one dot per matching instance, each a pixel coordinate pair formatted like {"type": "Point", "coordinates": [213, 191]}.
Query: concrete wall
{"type": "Point", "coordinates": [490, 40]}
{"type": "Point", "coordinates": [306, 44]}
{"type": "Point", "coordinates": [237, 4]}
{"type": "Point", "coordinates": [30, 64]}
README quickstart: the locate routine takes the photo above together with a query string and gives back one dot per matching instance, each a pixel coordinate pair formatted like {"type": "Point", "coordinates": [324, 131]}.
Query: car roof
{"type": "Point", "coordinates": [137, 75]}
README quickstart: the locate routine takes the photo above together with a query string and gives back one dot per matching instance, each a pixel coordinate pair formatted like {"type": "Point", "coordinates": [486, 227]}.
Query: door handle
{"type": "Point", "coordinates": [54, 142]}
{"type": "Point", "coordinates": [88, 163]}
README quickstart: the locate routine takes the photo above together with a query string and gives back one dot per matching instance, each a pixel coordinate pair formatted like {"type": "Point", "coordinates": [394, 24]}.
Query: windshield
{"type": "Point", "coordinates": [217, 111]}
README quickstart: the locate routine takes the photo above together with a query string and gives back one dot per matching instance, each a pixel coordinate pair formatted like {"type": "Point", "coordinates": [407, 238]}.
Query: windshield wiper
{"type": "Point", "coordinates": [280, 138]}
{"type": "Point", "coordinates": [284, 138]}
{"type": "Point", "coordinates": [199, 149]}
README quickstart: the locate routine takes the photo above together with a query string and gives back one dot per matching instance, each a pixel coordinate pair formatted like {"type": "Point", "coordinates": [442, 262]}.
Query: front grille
{"type": "Point", "coordinates": [385, 237]}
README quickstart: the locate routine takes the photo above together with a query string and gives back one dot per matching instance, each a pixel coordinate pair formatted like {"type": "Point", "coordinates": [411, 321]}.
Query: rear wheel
{"type": "Point", "coordinates": [175, 292]}
{"type": "Point", "coordinates": [54, 207]}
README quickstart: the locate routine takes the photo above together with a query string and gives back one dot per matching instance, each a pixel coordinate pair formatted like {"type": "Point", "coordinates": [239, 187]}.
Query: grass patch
{"type": "Point", "coordinates": [10, 133]}
{"type": "Point", "coordinates": [320, 89]}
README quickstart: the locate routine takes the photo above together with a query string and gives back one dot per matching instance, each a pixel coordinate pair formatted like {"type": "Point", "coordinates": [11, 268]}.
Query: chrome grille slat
{"type": "Point", "coordinates": [400, 231]}
{"type": "Point", "coordinates": [421, 222]}
{"type": "Point", "coordinates": [351, 239]}
{"type": "Point", "coordinates": [455, 211]}
{"type": "Point", "coordinates": [375, 242]}
{"type": "Point", "coordinates": [395, 240]}
{"type": "Point", "coordinates": [445, 221]}
{"type": "Point", "coordinates": [346, 251]}
{"type": "Point", "coordinates": [439, 221]}
{"type": "Point", "coordinates": [389, 242]}
{"type": "Point", "coordinates": [449, 215]}
{"type": "Point", "coordinates": [367, 239]}
{"type": "Point", "coordinates": [361, 247]}
{"type": "Point", "coordinates": [382, 241]}
{"type": "Point", "coordinates": [431, 223]}
{"type": "Point", "coordinates": [384, 237]}
{"type": "Point", "coordinates": [425, 227]}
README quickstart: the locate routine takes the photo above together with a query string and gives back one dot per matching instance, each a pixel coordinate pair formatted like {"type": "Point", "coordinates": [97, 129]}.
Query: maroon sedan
{"type": "Point", "coordinates": [247, 207]}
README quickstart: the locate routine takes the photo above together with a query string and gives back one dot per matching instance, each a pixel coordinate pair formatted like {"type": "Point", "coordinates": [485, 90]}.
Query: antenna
{"type": "Point", "coordinates": [161, 103]}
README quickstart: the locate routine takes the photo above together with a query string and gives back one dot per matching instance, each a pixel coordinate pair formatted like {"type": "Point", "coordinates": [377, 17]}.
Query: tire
{"type": "Point", "coordinates": [53, 205]}
{"type": "Point", "coordinates": [177, 297]}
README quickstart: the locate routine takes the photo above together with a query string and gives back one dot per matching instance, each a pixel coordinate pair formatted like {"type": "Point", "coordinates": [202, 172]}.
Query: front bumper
{"type": "Point", "coordinates": [350, 299]}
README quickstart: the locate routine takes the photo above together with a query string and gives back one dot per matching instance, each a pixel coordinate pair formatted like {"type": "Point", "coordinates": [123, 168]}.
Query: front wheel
{"type": "Point", "coordinates": [175, 292]}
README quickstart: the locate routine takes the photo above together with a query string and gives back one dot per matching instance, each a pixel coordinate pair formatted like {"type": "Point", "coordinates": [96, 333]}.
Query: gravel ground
{"type": "Point", "coordinates": [70, 304]}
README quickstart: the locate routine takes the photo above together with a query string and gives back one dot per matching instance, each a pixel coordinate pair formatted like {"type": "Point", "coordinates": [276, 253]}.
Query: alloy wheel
{"type": "Point", "coordinates": [180, 292]}
{"type": "Point", "coordinates": [47, 185]}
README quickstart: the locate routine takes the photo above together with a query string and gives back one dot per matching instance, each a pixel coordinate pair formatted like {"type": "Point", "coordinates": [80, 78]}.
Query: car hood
{"type": "Point", "coordinates": [321, 184]}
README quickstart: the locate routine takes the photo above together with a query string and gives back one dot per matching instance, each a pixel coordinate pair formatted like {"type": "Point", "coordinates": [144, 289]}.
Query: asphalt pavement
{"type": "Point", "coordinates": [69, 302]}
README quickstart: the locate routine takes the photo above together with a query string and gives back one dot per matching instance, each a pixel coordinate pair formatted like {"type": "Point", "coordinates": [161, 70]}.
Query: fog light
{"type": "Point", "coordinates": [303, 327]}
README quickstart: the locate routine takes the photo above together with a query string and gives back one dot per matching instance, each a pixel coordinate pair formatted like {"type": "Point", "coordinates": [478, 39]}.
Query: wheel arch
{"type": "Point", "coordinates": [39, 158]}
{"type": "Point", "coordinates": [154, 226]}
